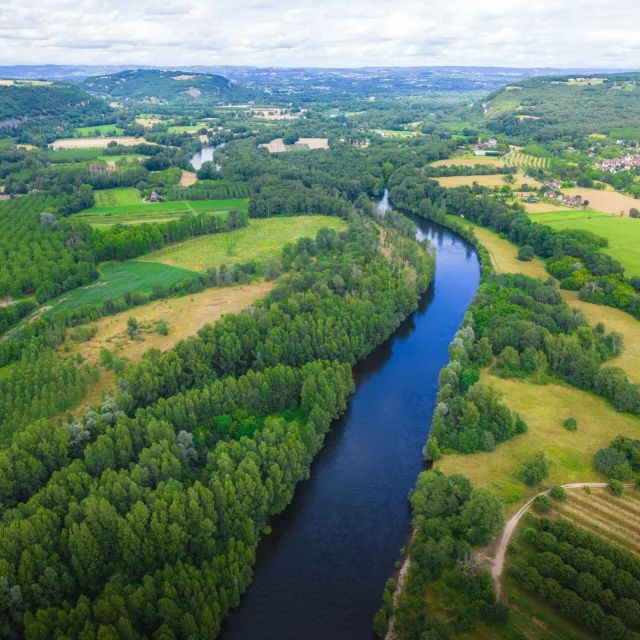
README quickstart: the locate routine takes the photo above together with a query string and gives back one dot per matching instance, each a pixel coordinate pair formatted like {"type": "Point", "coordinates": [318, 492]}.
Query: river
{"type": "Point", "coordinates": [321, 572]}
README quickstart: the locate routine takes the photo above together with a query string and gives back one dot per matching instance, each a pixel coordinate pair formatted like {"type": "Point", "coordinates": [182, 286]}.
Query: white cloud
{"type": "Point", "coordinates": [587, 33]}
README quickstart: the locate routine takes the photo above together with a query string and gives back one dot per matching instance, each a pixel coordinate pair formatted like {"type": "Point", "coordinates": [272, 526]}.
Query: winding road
{"type": "Point", "coordinates": [498, 563]}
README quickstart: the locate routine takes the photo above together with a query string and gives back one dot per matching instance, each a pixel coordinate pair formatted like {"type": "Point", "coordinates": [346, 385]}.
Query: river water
{"type": "Point", "coordinates": [205, 155]}
{"type": "Point", "coordinates": [320, 574]}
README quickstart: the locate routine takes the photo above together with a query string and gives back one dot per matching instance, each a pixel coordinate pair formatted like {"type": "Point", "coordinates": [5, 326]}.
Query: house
{"type": "Point", "coordinates": [154, 197]}
{"type": "Point", "coordinates": [549, 194]}
{"type": "Point", "coordinates": [554, 184]}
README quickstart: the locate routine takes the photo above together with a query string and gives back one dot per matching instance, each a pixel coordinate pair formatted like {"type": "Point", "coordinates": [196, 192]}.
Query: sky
{"type": "Point", "coordinates": [322, 33]}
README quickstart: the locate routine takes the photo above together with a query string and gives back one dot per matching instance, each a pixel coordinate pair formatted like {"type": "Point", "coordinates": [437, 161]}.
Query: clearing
{"type": "Point", "coordinates": [183, 316]}
{"type": "Point", "coordinates": [303, 144]}
{"type": "Point", "coordinates": [605, 201]}
{"type": "Point", "coordinates": [544, 408]}
{"type": "Point", "coordinates": [101, 143]}
{"type": "Point", "coordinates": [187, 178]}
{"type": "Point", "coordinates": [497, 180]}
{"type": "Point", "coordinates": [623, 233]}
{"type": "Point", "coordinates": [262, 240]}
{"type": "Point", "coordinates": [116, 279]}
{"type": "Point", "coordinates": [107, 216]}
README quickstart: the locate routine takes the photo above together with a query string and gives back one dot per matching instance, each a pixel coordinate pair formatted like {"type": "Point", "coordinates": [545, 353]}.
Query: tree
{"type": "Point", "coordinates": [526, 253]}
{"type": "Point", "coordinates": [570, 424]}
{"type": "Point", "coordinates": [132, 327]}
{"type": "Point", "coordinates": [481, 516]}
{"type": "Point", "coordinates": [381, 623]}
{"type": "Point", "coordinates": [634, 213]}
{"type": "Point", "coordinates": [431, 450]}
{"type": "Point", "coordinates": [543, 503]}
{"type": "Point", "coordinates": [535, 468]}
{"type": "Point", "coordinates": [540, 363]}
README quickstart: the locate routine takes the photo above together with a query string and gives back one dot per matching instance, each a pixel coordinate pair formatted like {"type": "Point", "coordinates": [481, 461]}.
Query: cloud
{"type": "Point", "coordinates": [576, 33]}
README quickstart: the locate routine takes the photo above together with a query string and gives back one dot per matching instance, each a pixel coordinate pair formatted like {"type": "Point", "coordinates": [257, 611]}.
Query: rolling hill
{"type": "Point", "coordinates": [547, 108]}
{"type": "Point", "coordinates": [155, 85]}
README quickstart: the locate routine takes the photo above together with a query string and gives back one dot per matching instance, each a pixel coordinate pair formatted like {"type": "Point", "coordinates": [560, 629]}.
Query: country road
{"type": "Point", "coordinates": [498, 563]}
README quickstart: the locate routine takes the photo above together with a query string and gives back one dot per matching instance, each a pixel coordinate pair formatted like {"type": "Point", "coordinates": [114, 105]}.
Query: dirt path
{"type": "Point", "coordinates": [498, 563]}
{"type": "Point", "coordinates": [402, 578]}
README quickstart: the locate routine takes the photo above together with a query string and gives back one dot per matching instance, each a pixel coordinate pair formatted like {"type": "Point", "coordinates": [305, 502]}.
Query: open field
{"type": "Point", "coordinates": [118, 278]}
{"type": "Point", "coordinates": [11, 83]}
{"type": "Point", "coordinates": [107, 216]}
{"type": "Point", "coordinates": [119, 196]}
{"type": "Point", "coordinates": [497, 180]}
{"type": "Point", "coordinates": [614, 320]}
{"type": "Point", "coordinates": [391, 133]}
{"type": "Point", "coordinates": [467, 161]}
{"type": "Point", "coordinates": [104, 129]}
{"type": "Point", "coordinates": [148, 120]}
{"type": "Point", "coordinates": [262, 240]}
{"type": "Point", "coordinates": [542, 207]}
{"type": "Point", "coordinates": [623, 233]}
{"type": "Point", "coordinates": [605, 201]}
{"type": "Point", "coordinates": [543, 408]}
{"type": "Point", "coordinates": [114, 159]}
{"type": "Point", "coordinates": [183, 316]}
{"type": "Point", "coordinates": [303, 144]}
{"type": "Point", "coordinates": [187, 178]}
{"type": "Point", "coordinates": [86, 143]}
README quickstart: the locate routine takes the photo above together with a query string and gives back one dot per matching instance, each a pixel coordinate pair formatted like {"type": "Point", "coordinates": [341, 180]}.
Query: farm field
{"type": "Point", "coordinates": [127, 158]}
{"type": "Point", "coordinates": [542, 207]}
{"type": "Point", "coordinates": [104, 129]}
{"type": "Point", "coordinates": [543, 408]}
{"type": "Point", "coordinates": [467, 161]}
{"type": "Point", "coordinates": [118, 278]}
{"type": "Point", "coordinates": [183, 316]}
{"type": "Point", "coordinates": [497, 180]}
{"type": "Point", "coordinates": [623, 233]}
{"type": "Point", "coordinates": [94, 143]}
{"type": "Point", "coordinates": [74, 155]}
{"type": "Point", "coordinates": [108, 215]}
{"type": "Point", "coordinates": [391, 133]}
{"type": "Point", "coordinates": [525, 161]}
{"type": "Point", "coordinates": [119, 196]}
{"type": "Point", "coordinates": [303, 144]}
{"type": "Point", "coordinates": [262, 240]}
{"type": "Point", "coordinates": [605, 201]}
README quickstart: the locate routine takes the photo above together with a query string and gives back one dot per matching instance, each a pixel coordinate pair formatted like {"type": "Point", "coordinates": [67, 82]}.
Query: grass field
{"type": "Point", "coordinates": [108, 215]}
{"type": "Point", "coordinates": [543, 408]}
{"type": "Point", "coordinates": [606, 201]}
{"type": "Point", "coordinates": [104, 129]}
{"type": "Point", "coordinates": [260, 241]}
{"type": "Point", "coordinates": [116, 279]}
{"type": "Point", "coordinates": [183, 316]}
{"type": "Point", "coordinates": [497, 180]}
{"type": "Point", "coordinates": [127, 158]}
{"type": "Point", "coordinates": [467, 161]}
{"type": "Point", "coordinates": [623, 233]}
{"type": "Point", "coordinates": [119, 196]}
{"type": "Point", "coordinates": [95, 143]}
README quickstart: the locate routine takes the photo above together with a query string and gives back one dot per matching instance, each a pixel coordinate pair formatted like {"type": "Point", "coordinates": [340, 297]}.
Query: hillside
{"type": "Point", "coordinates": [155, 85]}
{"type": "Point", "coordinates": [555, 106]}
{"type": "Point", "coordinates": [23, 100]}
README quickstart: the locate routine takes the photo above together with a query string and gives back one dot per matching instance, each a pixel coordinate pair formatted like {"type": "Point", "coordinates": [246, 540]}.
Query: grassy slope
{"type": "Point", "coordinates": [261, 241]}
{"type": "Point", "coordinates": [87, 132]}
{"type": "Point", "coordinates": [623, 233]}
{"type": "Point", "coordinates": [118, 278]}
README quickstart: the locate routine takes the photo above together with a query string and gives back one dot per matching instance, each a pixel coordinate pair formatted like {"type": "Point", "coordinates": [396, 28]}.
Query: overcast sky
{"type": "Point", "coordinates": [531, 33]}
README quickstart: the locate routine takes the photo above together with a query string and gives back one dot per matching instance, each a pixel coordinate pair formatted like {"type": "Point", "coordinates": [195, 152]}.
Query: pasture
{"type": "Point", "coordinates": [103, 130]}
{"type": "Point", "coordinates": [183, 316]}
{"type": "Point", "coordinates": [605, 201]}
{"type": "Point", "coordinates": [115, 280]}
{"type": "Point", "coordinates": [95, 143]}
{"type": "Point", "coordinates": [261, 241]}
{"type": "Point", "coordinates": [623, 233]}
{"type": "Point", "coordinates": [119, 196]}
{"type": "Point", "coordinates": [139, 212]}
{"type": "Point", "coordinates": [497, 180]}
{"type": "Point", "coordinates": [543, 408]}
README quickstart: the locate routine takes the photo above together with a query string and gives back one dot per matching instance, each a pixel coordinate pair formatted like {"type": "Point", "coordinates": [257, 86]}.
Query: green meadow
{"type": "Point", "coordinates": [623, 233]}
{"type": "Point", "coordinates": [88, 132]}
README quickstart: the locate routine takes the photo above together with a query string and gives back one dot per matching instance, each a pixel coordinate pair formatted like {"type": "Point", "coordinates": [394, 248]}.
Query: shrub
{"type": "Point", "coordinates": [558, 493]}
{"type": "Point", "coordinates": [288, 415]}
{"type": "Point", "coordinates": [535, 468]}
{"type": "Point", "coordinates": [544, 503]}
{"type": "Point", "coordinates": [616, 487]}
{"type": "Point", "coordinates": [613, 463]}
{"type": "Point", "coordinates": [570, 424]}
{"type": "Point", "coordinates": [526, 253]}
{"type": "Point", "coordinates": [634, 213]}
{"type": "Point", "coordinates": [521, 426]}
{"type": "Point", "coordinates": [587, 490]}
{"type": "Point", "coordinates": [513, 547]}
{"type": "Point", "coordinates": [381, 623]}
{"type": "Point", "coordinates": [162, 328]}
{"type": "Point", "coordinates": [637, 483]}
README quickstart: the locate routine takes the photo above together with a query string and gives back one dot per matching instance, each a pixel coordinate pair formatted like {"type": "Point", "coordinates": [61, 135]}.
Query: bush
{"type": "Point", "coordinates": [381, 623]}
{"type": "Point", "coordinates": [616, 487]}
{"type": "Point", "coordinates": [513, 547]}
{"type": "Point", "coordinates": [162, 328]}
{"type": "Point", "coordinates": [558, 493]}
{"type": "Point", "coordinates": [544, 503]}
{"type": "Point", "coordinates": [535, 468]}
{"type": "Point", "coordinates": [288, 415]}
{"type": "Point", "coordinates": [521, 426]}
{"type": "Point", "coordinates": [637, 483]}
{"type": "Point", "coordinates": [526, 253]}
{"type": "Point", "coordinates": [570, 424]}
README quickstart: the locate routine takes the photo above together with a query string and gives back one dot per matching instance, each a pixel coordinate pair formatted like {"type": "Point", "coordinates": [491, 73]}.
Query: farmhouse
{"type": "Point", "coordinates": [554, 184]}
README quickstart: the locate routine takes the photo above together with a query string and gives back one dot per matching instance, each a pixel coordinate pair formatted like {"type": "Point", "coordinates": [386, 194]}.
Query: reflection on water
{"type": "Point", "coordinates": [321, 573]}
{"type": "Point", "coordinates": [205, 155]}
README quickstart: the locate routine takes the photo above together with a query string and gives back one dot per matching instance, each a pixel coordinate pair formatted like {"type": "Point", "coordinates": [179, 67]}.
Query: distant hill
{"type": "Point", "coordinates": [22, 100]}
{"type": "Point", "coordinates": [546, 108]}
{"type": "Point", "coordinates": [177, 87]}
